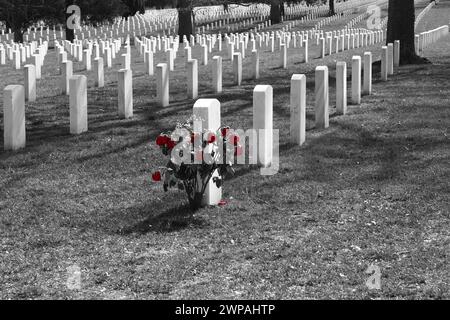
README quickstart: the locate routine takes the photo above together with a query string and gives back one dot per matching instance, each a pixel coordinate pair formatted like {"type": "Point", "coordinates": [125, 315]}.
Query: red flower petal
{"type": "Point", "coordinates": [224, 132]}
{"type": "Point", "coordinates": [156, 176]}
{"type": "Point", "coordinates": [212, 138]}
{"type": "Point", "coordinates": [171, 144]}
{"type": "Point", "coordinates": [235, 139]}
{"type": "Point", "coordinates": [161, 140]}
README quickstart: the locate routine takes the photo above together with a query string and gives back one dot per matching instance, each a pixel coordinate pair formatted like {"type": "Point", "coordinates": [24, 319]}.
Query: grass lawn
{"type": "Point", "coordinates": [373, 189]}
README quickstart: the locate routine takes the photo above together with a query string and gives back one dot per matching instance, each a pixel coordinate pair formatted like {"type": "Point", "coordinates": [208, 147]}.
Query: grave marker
{"type": "Point", "coordinates": [217, 74]}
{"type": "Point", "coordinates": [298, 109]}
{"type": "Point", "coordinates": [78, 104]}
{"type": "Point", "coordinates": [30, 82]}
{"type": "Point", "coordinates": [356, 80]}
{"type": "Point", "coordinates": [192, 79]}
{"type": "Point", "coordinates": [367, 89]}
{"type": "Point", "coordinates": [208, 110]}
{"type": "Point", "coordinates": [162, 84]}
{"type": "Point", "coordinates": [322, 97]}
{"type": "Point", "coordinates": [99, 72]}
{"type": "Point", "coordinates": [14, 134]}
{"type": "Point", "coordinates": [341, 87]}
{"type": "Point", "coordinates": [125, 92]}
{"type": "Point", "coordinates": [263, 123]}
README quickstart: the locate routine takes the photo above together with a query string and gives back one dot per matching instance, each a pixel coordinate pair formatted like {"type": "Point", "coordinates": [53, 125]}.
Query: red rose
{"type": "Point", "coordinates": [212, 138]}
{"type": "Point", "coordinates": [156, 176]}
{"type": "Point", "coordinates": [224, 132]}
{"type": "Point", "coordinates": [162, 140]}
{"type": "Point", "coordinates": [235, 139]}
{"type": "Point", "coordinates": [171, 144]}
{"type": "Point", "coordinates": [238, 151]}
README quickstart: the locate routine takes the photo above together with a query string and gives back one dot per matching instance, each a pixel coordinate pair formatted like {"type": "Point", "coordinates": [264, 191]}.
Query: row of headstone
{"type": "Point", "coordinates": [359, 86]}
{"type": "Point", "coordinates": [423, 13]}
{"type": "Point", "coordinates": [18, 54]}
{"type": "Point", "coordinates": [426, 38]}
{"type": "Point", "coordinates": [208, 110]}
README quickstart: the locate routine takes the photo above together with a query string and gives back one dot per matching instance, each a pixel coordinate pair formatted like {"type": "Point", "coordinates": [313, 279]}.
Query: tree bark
{"type": "Point", "coordinates": [275, 12]}
{"type": "Point", "coordinates": [401, 18]}
{"type": "Point", "coordinates": [70, 33]}
{"type": "Point", "coordinates": [18, 35]}
{"type": "Point", "coordinates": [185, 20]}
{"type": "Point", "coordinates": [332, 10]}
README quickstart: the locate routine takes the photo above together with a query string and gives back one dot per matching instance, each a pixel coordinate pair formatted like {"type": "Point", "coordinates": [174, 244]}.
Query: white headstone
{"type": "Point", "coordinates": [298, 109]}
{"type": "Point", "coordinates": [356, 80]}
{"type": "Point", "coordinates": [255, 64]}
{"type": "Point", "coordinates": [149, 68]}
{"type": "Point", "coordinates": [162, 84]}
{"type": "Point", "coordinates": [67, 72]}
{"type": "Point", "coordinates": [125, 93]}
{"type": "Point", "coordinates": [99, 72]}
{"type": "Point", "coordinates": [367, 87]}
{"type": "Point", "coordinates": [78, 104]}
{"type": "Point", "coordinates": [305, 51]}
{"type": "Point", "coordinates": [208, 110]}
{"type": "Point", "coordinates": [217, 74]}
{"type": "Point", "coordinates": [205, 55]}
{"type": "Point", "coordinates": [14, 117]}
{"type": "Point", "coordinates": [192, 79]}
{"type": "Point", "coordinates": [237, 68]}
{"type": "Point", "coordinates": [384, 63]}
{"type": "Point", "coordinates": [263, 122]}
{"type": "Point", "coordinates": [390, 58]}
{"type": "Point", "coordinates": [37, 64]}
{"type": "Point", "coordinates": [30, 82]}
{"type": "Point", "coordinates": [322, 97]}
{"type": "Point", "coordinates": [283, 57]}
{"type": "Point", "coordinates": [341, 87]}
{"type": "Point", "coordinates": [87, 59]}
{"type": "Point", "coordinates": [396, 53]}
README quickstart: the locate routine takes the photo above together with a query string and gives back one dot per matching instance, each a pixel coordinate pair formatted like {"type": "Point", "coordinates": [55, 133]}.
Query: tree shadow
{"type": "Point", "coordinates": [171, 220]}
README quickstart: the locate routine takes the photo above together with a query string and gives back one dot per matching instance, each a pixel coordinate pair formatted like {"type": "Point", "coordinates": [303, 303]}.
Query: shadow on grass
{"type": "Point", "coordinates": [171, 220]}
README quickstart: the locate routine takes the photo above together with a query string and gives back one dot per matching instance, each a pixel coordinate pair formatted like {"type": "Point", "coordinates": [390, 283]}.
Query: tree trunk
{"type": "Point", "coordinates": [185, 23]}
{"type": "Point", "coordinates": [275, 12]}
{"type": "Point", "coordinates": [401, 18]}
{"type": "Point", "coordinates": [70, 33]}
{"type": "Point", "coordinates": [332, 10]}
{"type": "Point", "coordinates": [18, 35]}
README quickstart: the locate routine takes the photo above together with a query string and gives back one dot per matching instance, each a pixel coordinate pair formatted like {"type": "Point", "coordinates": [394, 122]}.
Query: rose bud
{"type": "Point", "coordinates": [212, 138]}
{"type": "Point", "coordinates": [235, 139]}
{"type": "Point", "coordinates": [224, 132]}
{"type": "Point", "coordinates": [171, 144]}
{"type": "Point", "coordinates": [161, 140]}
{"type": "Point", "coordinates": [156, 176]}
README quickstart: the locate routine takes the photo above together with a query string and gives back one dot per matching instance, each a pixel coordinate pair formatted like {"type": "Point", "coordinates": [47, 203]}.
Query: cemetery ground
{"type": "Point", "coordinates": [373, 189]}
